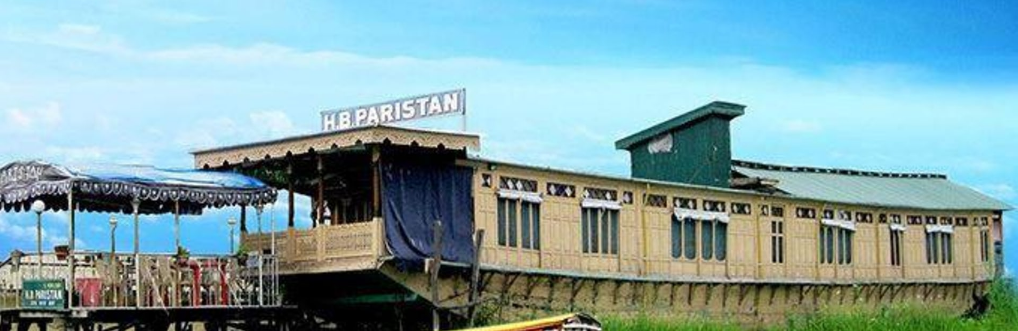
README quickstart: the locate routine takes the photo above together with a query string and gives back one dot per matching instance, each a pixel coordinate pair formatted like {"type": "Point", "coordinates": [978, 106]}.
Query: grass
{"type": "Point", "coordinates": [1002, 316]}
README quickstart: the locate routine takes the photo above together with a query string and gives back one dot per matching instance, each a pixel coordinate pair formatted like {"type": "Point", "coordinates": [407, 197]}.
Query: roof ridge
{"type": "Point", "coordinates": [835, 171]}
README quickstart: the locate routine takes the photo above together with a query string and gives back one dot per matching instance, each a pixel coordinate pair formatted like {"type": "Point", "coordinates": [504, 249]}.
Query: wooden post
{"type": "Point", "coordinates": [376, 181]}
{"type": "Point", "coordinates": [319, 212]}
{"type": "Point", "coordinates": [436, 263]}
{"type": "Point", "coordinates": [289, 192]}
{"type": "Point", "coordinates": [475, 275]}
{"type": "Point", "coordinates": [243, 219]}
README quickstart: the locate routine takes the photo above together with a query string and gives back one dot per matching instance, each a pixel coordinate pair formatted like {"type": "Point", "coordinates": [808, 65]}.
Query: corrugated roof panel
{"type": "Point", "coordinates": [925, 192]}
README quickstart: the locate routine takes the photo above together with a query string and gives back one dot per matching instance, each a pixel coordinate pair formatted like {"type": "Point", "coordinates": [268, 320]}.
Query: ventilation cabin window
{"type": "Point", "coordinates": [518, 216]}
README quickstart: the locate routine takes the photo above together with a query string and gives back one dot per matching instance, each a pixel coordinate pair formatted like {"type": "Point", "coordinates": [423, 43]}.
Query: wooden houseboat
{"type": "Point", "coordinates": [690, 231]}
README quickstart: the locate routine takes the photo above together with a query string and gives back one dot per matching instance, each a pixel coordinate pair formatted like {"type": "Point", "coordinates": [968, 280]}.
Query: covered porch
{"type": "Point", "coordinates": [342, 174]}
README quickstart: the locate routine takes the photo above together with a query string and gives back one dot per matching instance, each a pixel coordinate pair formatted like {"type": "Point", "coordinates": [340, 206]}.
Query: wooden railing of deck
{"type": "Point", "coordinates": [326, 248]}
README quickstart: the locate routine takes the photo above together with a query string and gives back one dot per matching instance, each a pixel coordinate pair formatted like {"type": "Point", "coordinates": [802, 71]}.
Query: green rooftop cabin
{"type": "Point", "coordinates": [693, 148]}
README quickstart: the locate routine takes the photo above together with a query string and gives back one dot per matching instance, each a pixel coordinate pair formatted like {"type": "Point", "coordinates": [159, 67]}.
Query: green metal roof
{"type": "Point", "coordinates": [727, 110]}
{"type": "Point", "coordinates": [922, 191]}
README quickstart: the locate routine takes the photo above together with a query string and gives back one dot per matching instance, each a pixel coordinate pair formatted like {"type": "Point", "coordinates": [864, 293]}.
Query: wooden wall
{"type": "Point", "coordinates": [645, 237]}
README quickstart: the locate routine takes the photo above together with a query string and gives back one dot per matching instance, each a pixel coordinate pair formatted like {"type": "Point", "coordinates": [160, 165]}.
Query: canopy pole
{"type": "Point", "coordinates": [176, 224]}
{"type": "Point", "coordinates": [136, 205]}
{"type": "Point", "coordinates": [38, 244]}
{"type": "Point", "coordinates": [70, 248]}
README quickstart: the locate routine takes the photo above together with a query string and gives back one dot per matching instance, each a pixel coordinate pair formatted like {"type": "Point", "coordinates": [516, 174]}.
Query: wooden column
{"type": "Point", "coordinates": [436, 264]}
{"type": "Point", "coordinates": [289, 197]}
{"type": "Point", "coordinates": [376, 181]}
{"type": "Point", "coordinates": [320, 205]}
{"type": "Point", "coordinates": [243, 219]}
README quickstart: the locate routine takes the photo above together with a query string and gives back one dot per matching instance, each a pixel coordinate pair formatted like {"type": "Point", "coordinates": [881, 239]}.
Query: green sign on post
{"type": "Point", "coordinates": [44, 294]}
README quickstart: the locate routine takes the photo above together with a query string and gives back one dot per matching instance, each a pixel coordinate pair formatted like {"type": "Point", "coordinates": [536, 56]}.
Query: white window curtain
{"type": "Point", "coordinates": [682, 213]}
{"type": "Point", "coordinates": [531, 197]}
{"type": "Point", "coordinates": [844, 224]}
{"type": "Point", "coordinates": [598, 203]}
{"type": "Point", "coordinates": [897, 227]}
{"type": "Point", "coordinates": [940, 228]}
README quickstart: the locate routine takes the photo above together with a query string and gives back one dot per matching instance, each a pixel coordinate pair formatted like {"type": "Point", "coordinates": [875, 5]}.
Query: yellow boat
{"type": "Point", "coordinates": [569, 322]}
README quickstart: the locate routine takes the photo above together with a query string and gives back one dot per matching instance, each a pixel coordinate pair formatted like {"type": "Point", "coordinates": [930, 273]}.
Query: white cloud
{"type": "Point", "coordinates": [43, 117]}
{"type": "Point", "coordinates": [1000, 191]}
{"type": "Point", "coordinates": [88, 154]}
{"type": "Point", "coordinates": [25, 235]}
{"type": "Point", "coordinates": [16, 232]}
{"type": "Point", "coordinates": [73, 36]}
{"type": "Point", "coordinates": [801, 126]}
{"type": "Point", "coordinates": [177, 17]}
{"type": "Point", "coordinates": [276, 124]}
{"type": "Point", "coordinates": [91, 38]}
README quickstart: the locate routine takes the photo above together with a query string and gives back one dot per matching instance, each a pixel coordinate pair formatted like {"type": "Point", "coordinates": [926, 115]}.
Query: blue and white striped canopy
{"type": "Point", "coordinates": [112, 188]}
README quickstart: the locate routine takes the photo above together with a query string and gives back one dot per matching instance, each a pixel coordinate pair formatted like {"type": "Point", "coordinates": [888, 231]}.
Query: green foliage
{"type": "Point", "coordinates": [1002, 316]}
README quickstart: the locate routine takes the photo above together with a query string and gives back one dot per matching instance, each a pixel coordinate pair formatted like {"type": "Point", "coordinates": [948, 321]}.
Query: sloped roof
{"type": "Point", "coordinates": [723, 109]}
{"type": "Point", "coordinates": [922, 191]}
{"type": "Point", "coordinates": [112, 188]}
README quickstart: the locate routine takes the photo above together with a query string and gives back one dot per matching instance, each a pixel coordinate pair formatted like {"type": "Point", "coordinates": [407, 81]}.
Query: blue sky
{"type": "Point", "coordinates": [903, 86]}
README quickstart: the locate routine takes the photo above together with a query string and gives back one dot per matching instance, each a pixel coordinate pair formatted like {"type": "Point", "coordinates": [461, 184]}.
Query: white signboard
{"type": "Point", "coordinates": [436, 104]}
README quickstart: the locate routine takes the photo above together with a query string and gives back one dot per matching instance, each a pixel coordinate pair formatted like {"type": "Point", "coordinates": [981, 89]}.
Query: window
{"type": "Point", "coordinates": [826, 244]}
{"type": "Point", "coordinates": [741, 208]}
{"type": "Point", "coordinates": [689, 236]}
{"type": "Point", "coordinates": [519, 223]}
{"type": "Point", "coordinates": [805, 213]}
{"type": "Point", "coordinates": [721, 240]}
{"type": "Point", "coordinates": [659, 201]}
{"type": "Point", "coordinates": [685, 203]}
{"type": "Point", "coordinates": [519, 213]}
{"type": "Point", "coordinates": [707, 232]}
{"type": "Point", "coordinates": [713, 239]}
{"type": "Point", "coordinates": [778, 211]}
{"type": "Point", "coordinates": [600, 230]}
{"type": "Point", "coordinates": [676, 237]}
{"type": "Point", "coordinates": [530, 225]}
{"type": "Point", "coordinates": [715, 206]}
{"type": "Point", "coordinates": [939, 247]}
{"type": "Point", "coordinates": [777, 241]}
{"type": "Point", "coordinates": [984, 245]}
{"type": "Point", "coordinates": [896, 247]}
{"type": "Point", "coordinates": [915, 220]}
{"type": "Point", "coordinates": [835, 242]}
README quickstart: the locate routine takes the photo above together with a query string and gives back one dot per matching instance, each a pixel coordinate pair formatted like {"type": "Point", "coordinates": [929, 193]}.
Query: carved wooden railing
{"type": "Point", "coordinates": [352, 246]}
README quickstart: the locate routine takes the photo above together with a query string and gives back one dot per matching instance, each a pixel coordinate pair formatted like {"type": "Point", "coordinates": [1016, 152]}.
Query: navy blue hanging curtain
{"type": "Point", "coordinates": [415, 194]}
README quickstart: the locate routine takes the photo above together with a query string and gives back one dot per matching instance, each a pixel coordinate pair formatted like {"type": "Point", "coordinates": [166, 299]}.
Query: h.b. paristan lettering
{"type": "Point", "coordinates": [451, 102]}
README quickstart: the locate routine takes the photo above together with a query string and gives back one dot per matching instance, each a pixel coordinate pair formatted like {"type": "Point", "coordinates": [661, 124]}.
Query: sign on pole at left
{"type": "Point", "coordinates": [44, 294]}
{"type": "Point", "coordinates": [405, 109]}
